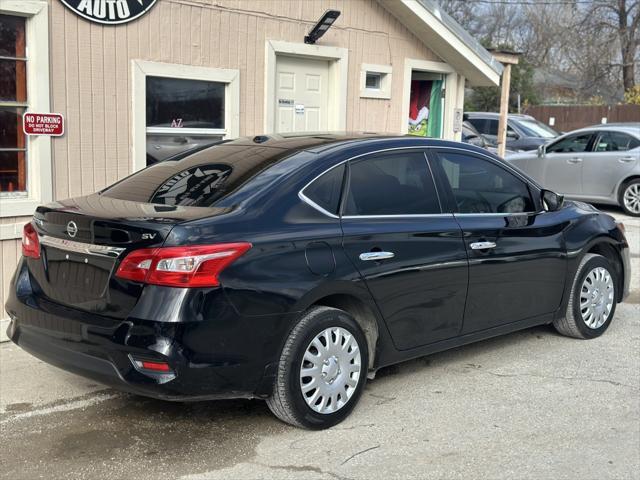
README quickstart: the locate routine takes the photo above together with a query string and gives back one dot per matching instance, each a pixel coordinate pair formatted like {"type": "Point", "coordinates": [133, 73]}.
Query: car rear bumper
{"type": "Point", "coordinates": [228, 356]}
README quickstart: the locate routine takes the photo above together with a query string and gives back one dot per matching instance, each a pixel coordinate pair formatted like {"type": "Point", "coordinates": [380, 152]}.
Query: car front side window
{"type": "Point", "coordinates": [480, 186]}
{"type": "Point", "coordinates": [577, 143]}
{"type": "Point", "coordinates": [393, 183]}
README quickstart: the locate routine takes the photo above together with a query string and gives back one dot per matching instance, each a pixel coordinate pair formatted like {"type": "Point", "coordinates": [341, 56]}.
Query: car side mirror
{"type": "Point", "coordinates": [541, 151]}
{"type": "Point", "coordinates": [512, 135]}
{"type": "Point", "coordinates": [551, 201]}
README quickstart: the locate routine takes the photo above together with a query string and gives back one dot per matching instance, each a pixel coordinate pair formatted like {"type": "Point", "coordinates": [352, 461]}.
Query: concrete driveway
{"type": "Point", "coordinates": [528, 405]}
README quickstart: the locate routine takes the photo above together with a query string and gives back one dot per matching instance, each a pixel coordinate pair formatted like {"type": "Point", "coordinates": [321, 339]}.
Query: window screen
{"type": "Point", "coordinates": [396, 183]}
{"type": "Point", "coordinates": [480, 186]}
{"type": "Point", "coordinates": [325, 190]}
{"type": "Point", "coordinates": [373, 80]}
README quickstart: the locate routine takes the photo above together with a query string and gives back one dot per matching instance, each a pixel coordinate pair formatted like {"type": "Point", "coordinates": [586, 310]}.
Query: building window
{"type": "Point", "coordinates": [13, 103]}
{"type": "Point", "coordinates": [182, 114]}
{"type": "Point", "coordinates": [178, 108]}
{"type": "Point", "coordinates": [25, 160]}
{"type": "Point", "coordinates": [375, 81]}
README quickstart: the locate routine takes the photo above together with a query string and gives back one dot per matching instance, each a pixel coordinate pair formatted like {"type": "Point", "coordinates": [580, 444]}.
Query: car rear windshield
{"type": "Point", "coordinates": [198, 180]}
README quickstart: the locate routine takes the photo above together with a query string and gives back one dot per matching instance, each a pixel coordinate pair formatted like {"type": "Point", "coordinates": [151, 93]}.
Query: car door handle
{"type": "Point", "coordinates": [575, 160]}
{"type": "Point", "coordinates": [482, 245]}
{"type": "Point", "coordinates": [626, 159]}
{"type": "Point", "coordinates": [366, 256]}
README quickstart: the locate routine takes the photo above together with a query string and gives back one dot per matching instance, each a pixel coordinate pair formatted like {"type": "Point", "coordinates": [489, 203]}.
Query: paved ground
{"type": "Point", "coordinates": [529, 405]}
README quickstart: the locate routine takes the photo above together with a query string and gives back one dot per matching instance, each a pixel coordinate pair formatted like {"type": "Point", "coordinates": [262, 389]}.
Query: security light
{"type": "Point", "coordinates": [322, 26]}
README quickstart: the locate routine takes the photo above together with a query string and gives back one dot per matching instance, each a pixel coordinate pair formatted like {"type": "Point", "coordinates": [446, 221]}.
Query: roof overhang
{"type": "Point", "coordinates": [447, 39]}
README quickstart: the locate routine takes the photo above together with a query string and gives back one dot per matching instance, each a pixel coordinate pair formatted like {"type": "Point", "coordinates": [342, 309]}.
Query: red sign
{"type": "Point", "coordinates": [43, 124]}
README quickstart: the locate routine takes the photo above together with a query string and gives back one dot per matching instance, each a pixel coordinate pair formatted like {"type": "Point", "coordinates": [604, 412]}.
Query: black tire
{"type": "Point", "coordinates": [626, 186]}
{"type": "Point", "coordinates": [572, 324]}
{"type": "Point", "coordinates": [287, 401]}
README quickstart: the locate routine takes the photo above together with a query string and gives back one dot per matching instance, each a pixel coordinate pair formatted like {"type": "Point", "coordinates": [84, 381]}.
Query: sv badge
{"type": "Point", "coordinates": [148, 236]}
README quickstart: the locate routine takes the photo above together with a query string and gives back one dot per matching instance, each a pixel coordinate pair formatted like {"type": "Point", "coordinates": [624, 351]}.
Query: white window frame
{"type": "Point", "coordinates": [39, 183]}
{"type": "Point", "coordinates": [142, 68]}
{"type": "Point", "coordinates": [384, 92]}
{"type": "Point", "coordinates": [338, 79]}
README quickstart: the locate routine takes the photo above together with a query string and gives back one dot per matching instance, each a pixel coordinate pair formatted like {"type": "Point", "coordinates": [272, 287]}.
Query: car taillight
{"type": "Point", "coordinates": [196, 266]}
{"type": "Point", "coordinates": [30, 242]}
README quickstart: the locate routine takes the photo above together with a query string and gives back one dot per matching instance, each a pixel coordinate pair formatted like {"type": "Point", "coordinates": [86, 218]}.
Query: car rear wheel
{"type": "Point", "coordinates": [630, 197]}
{"type": "Point", "coordinates": [592, 302]}
{"type": "Point", "coordinates": [322, 370]}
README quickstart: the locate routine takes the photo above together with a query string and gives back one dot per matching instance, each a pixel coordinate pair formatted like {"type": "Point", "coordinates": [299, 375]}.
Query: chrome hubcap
{"type": "Point", "coordinates": [596, 297]}
{"type": "Point", "coordinates": [330, 370]}
{"type": "Point", "coordinates": [631, 198]}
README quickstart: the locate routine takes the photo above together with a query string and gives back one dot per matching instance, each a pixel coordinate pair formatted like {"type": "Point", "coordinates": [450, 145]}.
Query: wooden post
{"type": "Point", "coordinates": [507, 59]}
{"type": "Point", "coordinates": [504, 110]}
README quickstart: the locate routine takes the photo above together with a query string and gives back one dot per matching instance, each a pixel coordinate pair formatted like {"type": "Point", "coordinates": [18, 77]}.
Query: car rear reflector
{"type": "Point", "coordinates": [194, 266]}
{"type": "Point", "coordinates": [30, 242]}
{"type": "Point", "coordinates": [155, 366]}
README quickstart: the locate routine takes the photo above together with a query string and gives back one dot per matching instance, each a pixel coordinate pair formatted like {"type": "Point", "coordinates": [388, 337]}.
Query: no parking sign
{"type": "Point", "coordinates": [43, 124]}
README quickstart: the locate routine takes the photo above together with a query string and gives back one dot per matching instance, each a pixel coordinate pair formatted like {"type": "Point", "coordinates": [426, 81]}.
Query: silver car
{"type": "Point", "coordinates": [599, 164]}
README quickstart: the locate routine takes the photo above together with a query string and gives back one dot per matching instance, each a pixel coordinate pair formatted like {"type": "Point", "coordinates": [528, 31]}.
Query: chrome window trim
{"type": "Point", "coordinates": [408, 215]}
{"type": "Point", "coordinates": [496, 214]}
{"type": "Point", "coordinates": [313, 204]}
{"type": "Point", "coordinates": [80, 247]}
{"type": "Point", "coordinates": [504, 165]}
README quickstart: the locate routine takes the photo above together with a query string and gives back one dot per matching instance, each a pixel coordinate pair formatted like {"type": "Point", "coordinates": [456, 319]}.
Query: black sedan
{"type": "Point", "coordinates": [292, 268]}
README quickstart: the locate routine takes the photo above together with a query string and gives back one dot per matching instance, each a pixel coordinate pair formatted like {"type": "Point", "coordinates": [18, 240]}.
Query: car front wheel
{"type": "Point", "coordinates": [592, 302]}
{"type": "Point", "coordinates": [322, 370]}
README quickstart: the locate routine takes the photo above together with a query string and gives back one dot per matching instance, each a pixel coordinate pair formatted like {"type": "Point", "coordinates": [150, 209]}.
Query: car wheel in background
{"type": "Point", "coordinates": [630, 197]}
{"type": "Point", "coordinates": [592, 302]}
{"type": "Point", "coordinates": [322, 370]}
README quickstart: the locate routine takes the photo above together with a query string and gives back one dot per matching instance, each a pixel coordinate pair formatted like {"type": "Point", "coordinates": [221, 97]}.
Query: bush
{"type": "Point", "coordinates": [632, 96]}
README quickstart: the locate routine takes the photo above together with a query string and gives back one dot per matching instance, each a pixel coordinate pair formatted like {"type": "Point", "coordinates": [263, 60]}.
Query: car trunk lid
{"type": "Point", "coordinates": [83, 240]}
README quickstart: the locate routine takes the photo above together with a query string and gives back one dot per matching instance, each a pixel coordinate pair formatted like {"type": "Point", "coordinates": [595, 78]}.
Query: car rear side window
{"type": "Point", "coordinates": [325, 190]}
{"type": "Point", "coordinates": [397, 183]}
{"type": "Point", "coordinates": [480, 186]}
{"type": "Point", "coordinates": [615, 142]}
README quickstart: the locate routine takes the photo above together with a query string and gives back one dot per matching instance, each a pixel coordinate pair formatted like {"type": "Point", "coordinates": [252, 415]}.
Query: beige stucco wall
{"type": "Point", "coordinates": [91, 75]}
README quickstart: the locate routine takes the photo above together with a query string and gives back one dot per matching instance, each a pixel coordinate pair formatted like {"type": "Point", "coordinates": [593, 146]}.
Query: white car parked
{"type": "Point", "coordinates": [599, 164]}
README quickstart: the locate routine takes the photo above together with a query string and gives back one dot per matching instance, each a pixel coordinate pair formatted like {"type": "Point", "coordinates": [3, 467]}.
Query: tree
{"type": "Point", "coordinates": [597, 42]}
{"type": "Point", "coordinates": [629, 33]}
{"type": "Point", "coordinates": [488, 98]}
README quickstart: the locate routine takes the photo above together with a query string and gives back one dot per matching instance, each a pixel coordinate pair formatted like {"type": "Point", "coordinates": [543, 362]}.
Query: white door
{"type": "Point", "coordinates": [302, 95]}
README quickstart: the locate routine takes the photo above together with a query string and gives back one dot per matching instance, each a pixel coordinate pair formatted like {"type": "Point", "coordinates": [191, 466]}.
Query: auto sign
{"type": "Point", "coordinates": [110, 12]}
